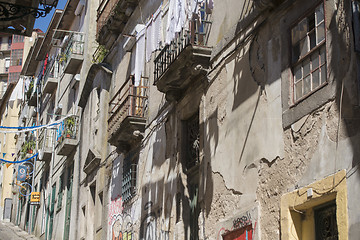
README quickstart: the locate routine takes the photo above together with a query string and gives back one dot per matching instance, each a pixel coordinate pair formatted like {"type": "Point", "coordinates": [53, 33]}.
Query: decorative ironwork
{"type": "Point", "coordinates": [196, 36]}
{"type": "Point", "coordinates": [192, 141]}
{"type": "Point", "coordinates": [128, 101]}
{"type": "Point", "coordinates": [129, 176]}
{"type": "Point", "coordinates": [325, 223]}
{"type": "Point", "coordinates": [9, 11]}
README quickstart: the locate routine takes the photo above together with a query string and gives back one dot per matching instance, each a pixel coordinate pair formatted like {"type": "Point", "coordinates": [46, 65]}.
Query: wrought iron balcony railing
{"type": "Point", "coordinates": [46, 143]}
{"type": "Point", "coordinates": [127, 112]}
{"type": "Point", "coordinates": [67, 135]}
{"type": "Point", "coordinates": [128, 101]}
{"type": "Point", "coordinates": [49, 72]}
{"type": "Point", "coordinates": [73, 51]}
{"type": "Point", "coordinates": [112, 16]}
{"type": "Point", "coordinates": [196, 36]}
{"type": "Point", "coordinates": [68, 129]}
{"type": "Point", "coordinates": [50, 76]}
{"type": "Point", "coordinates": [103, 12]}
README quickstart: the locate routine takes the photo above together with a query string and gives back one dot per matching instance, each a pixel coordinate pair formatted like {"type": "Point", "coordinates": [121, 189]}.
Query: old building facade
{"type": "Point", "coordinates": [196, 120]}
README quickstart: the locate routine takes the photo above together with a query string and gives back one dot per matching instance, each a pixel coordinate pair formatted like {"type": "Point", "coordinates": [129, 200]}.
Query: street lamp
{"type": "Point", "coordinates": [12, 11]}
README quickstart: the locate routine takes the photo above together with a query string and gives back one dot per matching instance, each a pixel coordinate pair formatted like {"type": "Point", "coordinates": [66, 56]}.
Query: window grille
{"type": "Point", "coordinates": [129, 176]}
{"type": "Point", "coordinates": [325, 223]}
{"type": "Point", "coordinates": [192, 141]}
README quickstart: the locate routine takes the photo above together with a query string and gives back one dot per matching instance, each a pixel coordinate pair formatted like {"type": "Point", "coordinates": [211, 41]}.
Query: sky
{"type": "Point", "coordinates": [43, 22]}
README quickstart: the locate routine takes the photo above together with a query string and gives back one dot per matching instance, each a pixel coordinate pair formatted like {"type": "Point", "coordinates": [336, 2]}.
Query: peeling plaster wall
{"type": "Point", "coordinates": [249, 157]}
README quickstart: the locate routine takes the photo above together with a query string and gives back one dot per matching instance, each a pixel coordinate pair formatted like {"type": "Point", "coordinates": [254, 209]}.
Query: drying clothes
{"type": "Point", "coordinates": [149, 39]}
{"type": "Point", "coordinates": [176, 19]}
{"type": "Point", "coordinates": [209, 6]}
{"type": "Point", "coordinates": [18, 91]}
{"type": "Point", "coordinates": [157, 29]}
{"type": "Point", "coordinates": [139, 55]}
{"type": "Point", "coordinates": [153, 34]}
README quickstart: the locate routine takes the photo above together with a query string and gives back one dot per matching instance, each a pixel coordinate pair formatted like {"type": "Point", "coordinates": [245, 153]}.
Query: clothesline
{"type": "Point", "coordinates": [32, 128]}
{"type": "Point", "coordinates": [21, 161]}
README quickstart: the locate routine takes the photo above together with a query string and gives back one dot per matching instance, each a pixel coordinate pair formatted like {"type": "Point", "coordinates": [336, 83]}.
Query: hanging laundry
{"type": "Point", "coordinates": [209, 6]}
{"type": "Point", "coordinates": [171, 22]}
{"type": "Point", "coordinates": [157, 29]}
{"type": "Point", "coordinates": [181, 9]}
{"type": "Point", "coordinates": [139, 55]}
{"type": "Point", "coordinates": [18, 91]}
{"type": "Point", "coordinates": [149, 39]}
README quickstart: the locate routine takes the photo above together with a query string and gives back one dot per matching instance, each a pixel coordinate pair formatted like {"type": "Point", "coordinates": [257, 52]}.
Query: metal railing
{"type": "Point", "coordinates": [50, 71]}
{"type": "Point", "coordinates": [99, 54]}
{"type": "Point", "coordinates": [75, 45]}
{"type": "Point", "coordinates": [196, 36]}
{"type": "Point", "coordinates": [68, 129]}
{"type": "Point", "coordinates": [103, 12]}
{"type": "Point", "coordinates": [130, 100]}
{"type": "Point", "coordinates": [46, 138]}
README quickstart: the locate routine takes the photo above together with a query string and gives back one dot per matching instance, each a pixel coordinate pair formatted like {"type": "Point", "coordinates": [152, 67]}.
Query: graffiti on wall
{"type": "Point", "coordinates": [153, 227]}
{"type": "Point", "coordinates": [115, 209]}
{"type": "Point", "coordinates": [120, 223]}
{"type": "Point", "coordinates": [122, 228]}
{"type": "Point", "coordinates": [240, 229]}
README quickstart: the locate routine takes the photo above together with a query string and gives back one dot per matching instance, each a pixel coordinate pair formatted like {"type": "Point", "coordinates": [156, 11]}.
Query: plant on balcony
{"type": "Point", "coordinates": [99, 54]}
{"type": "Point", "coordinates": [30, 89]}
{"type": "Point", "coordinates": [27, 148]}
{"type": "Point", "coordinates": [69, 127]}
{"type": "Point", "coordinates": [62, 58]}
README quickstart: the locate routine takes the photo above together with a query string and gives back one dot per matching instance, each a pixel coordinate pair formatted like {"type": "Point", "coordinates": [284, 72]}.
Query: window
{"type": "Point", "coordinates": [60, 193]}
{"type": "Point", "coordinates": [9, 42]}
{"type": "Point", "coordinates": [16, 57]}
{"type": "Point", "coordinates": [129, 175]}
{"type": "Point", "coordinates": [192, 141]}
{"type": "Point", "coordinates": [14, 77]}
{"type": "Point", "coordinates": [7, 64]}
{"type": "Point", "coordinates": [18, 38]}
{"type": "Point", "coordinates": [308, 54]}
{"type": "Point", "coordinates": [325, 222]}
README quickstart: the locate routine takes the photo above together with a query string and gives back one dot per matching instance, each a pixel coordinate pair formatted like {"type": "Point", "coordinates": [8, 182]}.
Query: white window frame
{"type": "Point", "coordinates": [303, 68]}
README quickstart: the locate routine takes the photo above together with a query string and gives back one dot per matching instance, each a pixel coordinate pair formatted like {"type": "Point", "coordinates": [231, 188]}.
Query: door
{"type": "Point", "coordinates": [51, 211]}
{"type": "Point", "coordinates": [68, 203]}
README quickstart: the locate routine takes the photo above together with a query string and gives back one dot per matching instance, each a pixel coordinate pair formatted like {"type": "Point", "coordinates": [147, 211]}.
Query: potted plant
{"type": "Point", "coordinates": [69, 127]}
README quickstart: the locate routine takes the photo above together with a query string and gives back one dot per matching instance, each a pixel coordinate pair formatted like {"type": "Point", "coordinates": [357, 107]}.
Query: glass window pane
{"type": "Point", "coordinates": [296, 52]}
{"type": "Point", "coordinates": [319, 12]}
{"type": "Point", "coordinates": [303, 28]}
{"type": "Point", "coordinates": [297, 72]}
{"type": "Point", "coordinates": [311, 22]}
{"type": "Point", "coordinates": [307, 85]}
{"type": "Point", "coordinates": [323, 74]}
{"type": "Point", "coordinates": [295, 35]}
{"type": "Point", "coordinates": [312, 39]}
{"type": "Point", "coordinates": [322, 56]}
{"type": "Point", "coordinates": [306, 67]}
{"type": "Point", "coordinates": [320, 32]}
{"type": "Point", "coordinates": [304, 46]}
{"type": "Point", "coordinates": [315, 60]}
{"type": "Point", "coordinates": [315, 79]}
{"type": "Point", "coordinates": [298, 90]}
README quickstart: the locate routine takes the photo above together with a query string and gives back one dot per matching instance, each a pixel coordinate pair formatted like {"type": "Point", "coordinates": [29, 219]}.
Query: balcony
{"type": "Point", "coordinates": [183, 62]}
{"type": "Point", "coordinates": [73, 52]}
{"type": "Point", "coordinates": [67, 136]}
{"type": "Point", "coordinates": [126, 114]}
{"type": "Point", "coordinates": [46, 143]}
{"type": "Point", "coordinates": [112, 16]}
{"type": "Point", "coordinates": [50, 77]}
